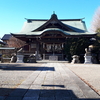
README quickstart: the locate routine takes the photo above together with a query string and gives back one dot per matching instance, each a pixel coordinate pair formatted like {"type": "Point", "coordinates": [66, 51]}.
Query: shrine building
{"type": "Point", "coordinates": [46, 37]}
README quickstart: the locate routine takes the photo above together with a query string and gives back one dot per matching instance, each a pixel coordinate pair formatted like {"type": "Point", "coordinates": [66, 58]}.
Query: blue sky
{"type": "Point", "coordinates": [13, 12]}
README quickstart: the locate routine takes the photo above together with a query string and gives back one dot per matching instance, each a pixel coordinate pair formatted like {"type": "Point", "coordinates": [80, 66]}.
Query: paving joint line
{"type": "Point", "coordinates": [70, 71]}
{"type": "Point", "coordinates": [86, 83]}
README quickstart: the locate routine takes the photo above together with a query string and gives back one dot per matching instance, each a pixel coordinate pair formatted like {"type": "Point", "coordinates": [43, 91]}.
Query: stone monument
{"type": "Point", "coordinates": [20, 56]}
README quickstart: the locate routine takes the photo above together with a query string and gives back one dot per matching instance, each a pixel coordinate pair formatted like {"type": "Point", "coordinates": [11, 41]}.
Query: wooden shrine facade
{"type": "Point", "coordinates": [46, 38]}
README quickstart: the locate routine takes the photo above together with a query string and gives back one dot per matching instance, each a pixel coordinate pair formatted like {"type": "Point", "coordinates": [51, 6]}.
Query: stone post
{"type": "Point", "coordinates": [19, 59]}
{"type": "Point", "coordinates": [20, 56]}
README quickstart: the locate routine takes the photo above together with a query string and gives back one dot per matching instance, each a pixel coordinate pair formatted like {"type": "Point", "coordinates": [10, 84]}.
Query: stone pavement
{"type": "Point", "coordinates": [52, 81]}
{"type": "Point", "coordinates": [89, 73]}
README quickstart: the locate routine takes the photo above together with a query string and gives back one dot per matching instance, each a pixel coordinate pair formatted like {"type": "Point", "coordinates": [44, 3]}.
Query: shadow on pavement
{"type": "Point", "coordinates": [40, 94]}
{"type": "Point", "coordinates": [62, 86]}
{"type": "Point", "coordinates": [27, 68]}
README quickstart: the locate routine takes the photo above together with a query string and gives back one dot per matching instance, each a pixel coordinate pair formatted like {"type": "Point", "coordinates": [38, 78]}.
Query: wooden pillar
{"type": "Point", "coordinates": [37, 51]}
{"type": "Point", "coordinates": [2, 56]}
{"type": "Point", "coordinates": [62, 51]}
{"type": "Point", "coordinates": [29, 47]}
{"type": "Point", "coordinates": [43, 51]}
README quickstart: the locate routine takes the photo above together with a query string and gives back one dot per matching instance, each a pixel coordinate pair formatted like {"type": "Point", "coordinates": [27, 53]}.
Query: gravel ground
{"type": "Point", "coordinates": [12, 75]}
{"type": "Point", "coordinates": [89, 73]}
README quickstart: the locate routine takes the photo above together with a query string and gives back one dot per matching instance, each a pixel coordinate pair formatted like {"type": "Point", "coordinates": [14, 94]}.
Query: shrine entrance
{"type": "Point", "coordinates": [53, 51]}
{"type": "Point", "coordinates": [52, 45]}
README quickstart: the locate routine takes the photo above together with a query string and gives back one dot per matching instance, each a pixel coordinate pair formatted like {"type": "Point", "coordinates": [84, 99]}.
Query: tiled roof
{"type": "Point", "coordinates": [78, 25]}
{"type": "Point", "coordinates": [6, 37]}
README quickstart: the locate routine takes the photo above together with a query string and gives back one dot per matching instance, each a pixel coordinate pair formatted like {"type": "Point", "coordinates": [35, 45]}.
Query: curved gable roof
{"type": "Point", "coordinates": [54, 23]}
{"type": "Point", "coordinates": [36, 27]}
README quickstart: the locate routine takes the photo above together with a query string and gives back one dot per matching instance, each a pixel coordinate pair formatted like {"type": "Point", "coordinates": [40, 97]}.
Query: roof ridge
{"type": "Point", "coordinates": [59, 19]}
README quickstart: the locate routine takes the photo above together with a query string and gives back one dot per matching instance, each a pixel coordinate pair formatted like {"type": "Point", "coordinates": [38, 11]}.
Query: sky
{"type": "Point", "coordinates": [14, 12]}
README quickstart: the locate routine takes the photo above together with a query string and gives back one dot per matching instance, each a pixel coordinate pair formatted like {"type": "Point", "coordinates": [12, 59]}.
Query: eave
{"type": "Point", "coordinates": [65, 33]}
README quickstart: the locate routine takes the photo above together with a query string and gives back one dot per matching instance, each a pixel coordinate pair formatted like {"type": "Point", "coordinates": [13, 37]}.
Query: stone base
{"type": "Point", "coordinates": [88, 60]}
{"type": "Point", "coordinates": [19, 59]}
{"type": "Point", "coordinates": [54, 58]}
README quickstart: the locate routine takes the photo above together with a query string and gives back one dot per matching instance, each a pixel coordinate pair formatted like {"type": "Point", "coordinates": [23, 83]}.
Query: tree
{"type": "Point", "coordinates": [14, 42]}
{"type": "Point", "coordinates": [95, 25]}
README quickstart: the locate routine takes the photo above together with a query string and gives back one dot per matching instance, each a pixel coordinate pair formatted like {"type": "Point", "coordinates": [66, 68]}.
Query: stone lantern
{"type": "Point", "coordinates": [88, 55]}
{"type": "Point", "coordinates": [75, 59]}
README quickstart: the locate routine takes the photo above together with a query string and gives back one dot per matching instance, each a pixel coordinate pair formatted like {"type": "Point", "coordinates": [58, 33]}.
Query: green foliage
{"type": "Point", "coordinates": [96, 44]}
{"type": "Point", "coordinates": [0, 45]}
{"type": "Point", "coordinates": [98, 30]}
{"type": "Point", "coordinates": [98, 39]}
{"type": "Point", "coordinates": [76, 46]}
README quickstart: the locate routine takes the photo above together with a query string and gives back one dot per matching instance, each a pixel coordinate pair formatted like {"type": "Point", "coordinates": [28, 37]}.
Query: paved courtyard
{"type": "Point", "coordinates": [44, 81]}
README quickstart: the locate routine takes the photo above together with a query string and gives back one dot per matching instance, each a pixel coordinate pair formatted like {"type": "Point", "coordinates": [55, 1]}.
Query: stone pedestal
{"type": "Point", "coordinates": [53, 58]}
{"type": "Point", "coordinates": [19, 59]}
{"type": "Point", "coordinates": [75, 59]}
{"type": "Point", "coordinates": [87, 59]}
